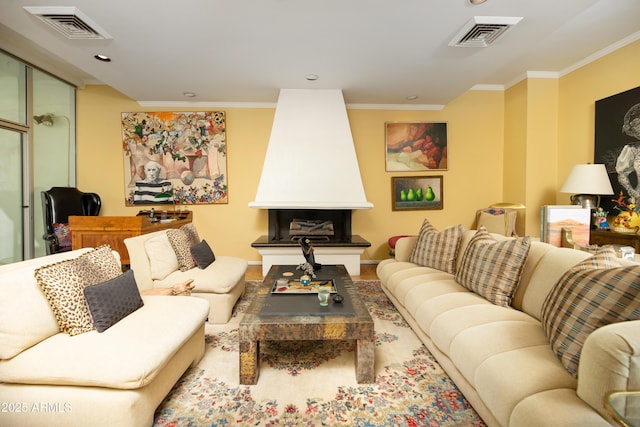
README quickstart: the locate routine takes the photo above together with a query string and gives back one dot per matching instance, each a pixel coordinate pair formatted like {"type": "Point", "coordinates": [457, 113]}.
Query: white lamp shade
{"type": "Point", "coordinates": [588, 179]}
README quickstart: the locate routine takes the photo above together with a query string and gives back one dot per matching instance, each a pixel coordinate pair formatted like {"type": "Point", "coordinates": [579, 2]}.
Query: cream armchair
{"type": "Point", "coordinates": [155, 265]}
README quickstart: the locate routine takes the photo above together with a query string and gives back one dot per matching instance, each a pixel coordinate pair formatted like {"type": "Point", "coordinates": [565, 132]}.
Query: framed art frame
{"type": "Point", "coordinates": [177, 158]}
{"type": "Point", "coordinates": [553, 218]}
{"type": "Point", "coordinates": [617, 144]}
{"type": "Point", "coordinates": [416, 146]}
{"type": "Point", "coordinates": [416, 193]}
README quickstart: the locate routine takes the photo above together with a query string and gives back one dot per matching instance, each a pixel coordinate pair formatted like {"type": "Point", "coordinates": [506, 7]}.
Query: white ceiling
{"type": "Point", "coordinates": [378, 52]}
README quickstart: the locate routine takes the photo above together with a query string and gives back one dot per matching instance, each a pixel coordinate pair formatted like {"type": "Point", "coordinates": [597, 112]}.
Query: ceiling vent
{"type": "Point", "coordinates": [481, 31]}
{"type": "Point", "coordinates": [69, 21]}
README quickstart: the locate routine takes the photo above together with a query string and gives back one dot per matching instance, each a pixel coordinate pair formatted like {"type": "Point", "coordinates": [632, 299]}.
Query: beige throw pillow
{"type": "Point", "coordinates": [437, 249]}
{"type": "Point", "coordinates": [162, 257]}
{"type": "Point", "coordinates": [492, 269]}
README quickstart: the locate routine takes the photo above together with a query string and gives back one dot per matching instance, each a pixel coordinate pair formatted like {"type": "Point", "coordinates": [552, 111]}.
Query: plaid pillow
{"type": "Point", "coordinates": [437, 249]}
{"type": "Point", "coordinates": [492, 269]}
{"type": "Point", "coordinates": [592, 294]}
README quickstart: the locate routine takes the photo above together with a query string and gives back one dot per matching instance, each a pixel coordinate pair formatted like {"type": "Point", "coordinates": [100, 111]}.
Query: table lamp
{"type": "Point", "coordinates": [587, 183]}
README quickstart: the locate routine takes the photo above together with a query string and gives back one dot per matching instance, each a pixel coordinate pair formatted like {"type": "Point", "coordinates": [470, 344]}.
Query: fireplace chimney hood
{"type": "Point", "coordinates": [311, 159]}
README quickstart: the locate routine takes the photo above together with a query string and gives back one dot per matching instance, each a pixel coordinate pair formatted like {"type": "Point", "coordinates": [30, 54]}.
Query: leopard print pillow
{"type": "Point", "coordinates": [63, 285]}
{"type": "Point", "coordinates": [192, 234]}
{"type": "Point", "coordinates": [182, 247]}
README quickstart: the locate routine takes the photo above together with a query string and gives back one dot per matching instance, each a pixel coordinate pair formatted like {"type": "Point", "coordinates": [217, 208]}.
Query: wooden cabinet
{"type": "Point", "coordinates": [93, 231]}
{"type": "Point", "coordinates": [607, 237]}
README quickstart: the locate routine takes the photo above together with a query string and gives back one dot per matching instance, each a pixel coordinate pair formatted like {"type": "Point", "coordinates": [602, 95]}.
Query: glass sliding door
{"type": "Point", "coordinates": [11, 203]}
{"type": "Point", "coordinates": [13, 131]}
{"type": "Point", "coordinates": [37, 139]}
{"type": "Point", "coordinates": [53, 144]}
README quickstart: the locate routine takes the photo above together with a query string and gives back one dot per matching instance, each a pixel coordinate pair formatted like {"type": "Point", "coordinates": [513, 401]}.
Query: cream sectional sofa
{"type": "Point", "coordinates": [500, 357]}
{"type": "Point", "coordinates": [114, 378]}
{"type": "Point", "coordinates": [155, 265]}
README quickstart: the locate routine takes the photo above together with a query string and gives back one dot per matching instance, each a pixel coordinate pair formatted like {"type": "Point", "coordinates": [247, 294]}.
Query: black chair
{"type": "Point", "coordinates": [58, 204]}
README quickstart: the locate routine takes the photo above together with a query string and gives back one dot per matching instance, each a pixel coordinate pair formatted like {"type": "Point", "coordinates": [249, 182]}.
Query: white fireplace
{"type": "Point", "coordinates": [311, 165]}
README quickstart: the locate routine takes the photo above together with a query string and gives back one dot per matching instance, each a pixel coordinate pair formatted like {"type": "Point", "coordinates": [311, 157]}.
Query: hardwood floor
{"type": "Point", "coordinates": [367, 272]}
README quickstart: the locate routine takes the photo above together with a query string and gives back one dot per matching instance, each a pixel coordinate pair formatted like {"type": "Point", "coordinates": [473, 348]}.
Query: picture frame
{"type": "Point", "coordinates": [553, 218]}
{"type": "Point", "coordinates": [416, 193]}
{"type": "Point", "coordinates": [174, 158]}
{"type": "Point", "coordinates": [616, 144]}
{"type": "Point", "coordinates": [416, 146]}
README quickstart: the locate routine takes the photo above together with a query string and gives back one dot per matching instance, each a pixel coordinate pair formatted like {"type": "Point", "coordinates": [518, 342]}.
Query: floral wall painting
{"type": "Point", "coordinates": [416, 193]}
{"type": "Point", "coordinates": [175, 158]}
{"type": "Point", "coordinates": [416, 146]}
{"type": "Point", "coordinates": [617, 145]}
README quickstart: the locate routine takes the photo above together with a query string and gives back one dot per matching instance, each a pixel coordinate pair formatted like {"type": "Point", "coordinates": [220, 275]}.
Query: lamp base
{"type": "Point", "coordinates": [587, 201]}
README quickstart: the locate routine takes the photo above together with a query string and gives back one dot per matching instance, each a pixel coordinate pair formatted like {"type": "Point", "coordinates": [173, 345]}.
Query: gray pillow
{"type": "Point", "coordinates": [202, 254]}
{"type": "Point", "coordinates": [113, 300]}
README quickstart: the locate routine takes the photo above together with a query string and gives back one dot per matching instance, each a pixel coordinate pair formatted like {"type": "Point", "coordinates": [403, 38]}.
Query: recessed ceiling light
{"type": "Point", "coordinates": [311, 77]}
{"type": "Point", "coordinates": [412, 97]}
{"type": "Point", "coordinates": [189, 94]}
{"type": "Point", "coordinates": [103, 58]}
{"type": "Point", "coordinates": [474, 2]}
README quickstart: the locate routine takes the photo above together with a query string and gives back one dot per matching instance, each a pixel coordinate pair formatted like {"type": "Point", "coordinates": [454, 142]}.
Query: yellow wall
{"type": "Point", "coordinates": [474, 178]}
{"type": "Point", "coordinates": [515, 148]}
{"type": "Point", "coordinates": [579, 90]}
{"type": "Point", "coordinates": [511, 146]}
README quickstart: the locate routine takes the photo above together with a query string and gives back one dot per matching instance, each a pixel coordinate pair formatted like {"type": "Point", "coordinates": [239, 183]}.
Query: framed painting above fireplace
{"type": "Point", "coordinates": [416, 193]}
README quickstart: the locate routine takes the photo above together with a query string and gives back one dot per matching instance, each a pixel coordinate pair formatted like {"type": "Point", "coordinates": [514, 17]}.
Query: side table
{"type": "Point", "coordinates": [607, 237]}
{"type": "Point", "coordinates": [624, 407]}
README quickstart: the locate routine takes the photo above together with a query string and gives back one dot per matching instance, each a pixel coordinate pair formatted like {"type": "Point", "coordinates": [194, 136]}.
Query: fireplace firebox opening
{"type": "Point", "coordinates": [333, 225]}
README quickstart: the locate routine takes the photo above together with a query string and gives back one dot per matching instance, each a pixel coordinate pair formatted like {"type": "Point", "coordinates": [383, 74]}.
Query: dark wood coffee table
{"type": "Point", "coordinates": [303, 324]}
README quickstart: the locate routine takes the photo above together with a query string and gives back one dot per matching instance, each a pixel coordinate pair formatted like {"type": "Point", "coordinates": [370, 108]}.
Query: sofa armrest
{"type": "Point", "coordinates": [610, 360]}
{"type": "Point", "coordinates": [404, 247]}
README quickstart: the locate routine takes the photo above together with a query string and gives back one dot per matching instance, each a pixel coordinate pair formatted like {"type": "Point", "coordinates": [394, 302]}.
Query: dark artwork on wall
{"type": "Point", "coordinates": [617, 144]}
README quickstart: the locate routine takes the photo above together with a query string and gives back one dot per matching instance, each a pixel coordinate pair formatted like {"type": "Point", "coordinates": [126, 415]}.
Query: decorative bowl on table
{"type": "Point", "coordinates": [626, 222]}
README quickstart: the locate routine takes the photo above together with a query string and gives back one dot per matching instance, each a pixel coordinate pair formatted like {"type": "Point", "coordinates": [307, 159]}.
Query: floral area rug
{"type": "Point", "coordinates": [312, 383]}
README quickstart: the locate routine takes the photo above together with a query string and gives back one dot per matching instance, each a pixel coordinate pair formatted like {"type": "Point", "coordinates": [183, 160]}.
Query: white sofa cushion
{"type": "Point", "coordinates": [506, 379]}
{"type": "Point", "coordinates": [447, 325]}
{"type": "Point", "coordinates": [129, 355]}
{"type": "Point", "coordinates": [162, 258]}
{"type": "Point", "coordinates": [219, 277]}
{"type": "Point", "coordinates": [474, 345]}
{"type": "Point", "coordinates": [561, 405]}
